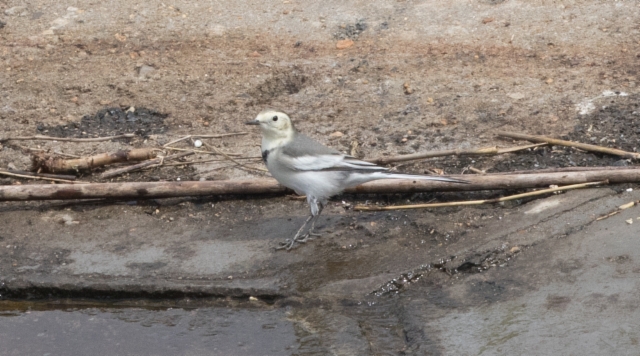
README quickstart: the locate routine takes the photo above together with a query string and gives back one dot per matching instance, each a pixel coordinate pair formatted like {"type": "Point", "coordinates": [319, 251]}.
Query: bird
{"type": "Point", "coordinates": [312, 169]}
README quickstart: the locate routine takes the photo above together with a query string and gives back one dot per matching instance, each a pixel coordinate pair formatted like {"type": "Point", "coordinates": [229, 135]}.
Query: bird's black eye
{"type": "Point", "coordinates": [275, 118]}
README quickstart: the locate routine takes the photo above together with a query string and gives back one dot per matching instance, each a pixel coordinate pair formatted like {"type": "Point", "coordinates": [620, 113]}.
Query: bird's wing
{"type": "Point", "coordinates": [305, 154]}
{"type": "Point", "coordinates": [329, 162]}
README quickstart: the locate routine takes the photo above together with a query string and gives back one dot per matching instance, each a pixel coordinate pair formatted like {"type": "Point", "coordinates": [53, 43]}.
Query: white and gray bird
{"type": "Point", "coordinates": [312, 169]}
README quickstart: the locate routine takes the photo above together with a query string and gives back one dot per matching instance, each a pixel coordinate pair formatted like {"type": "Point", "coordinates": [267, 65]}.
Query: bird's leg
{"type": "Point", "coordinates": [288, 243]}
{"type": "Point", "coordinates": [316, 208]}
{"type": "Point", "coordinates": [313, 222]}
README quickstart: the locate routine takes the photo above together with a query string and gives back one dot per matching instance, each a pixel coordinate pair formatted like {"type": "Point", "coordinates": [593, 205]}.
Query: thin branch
{"type": "Point", "coordinates": [472, 152]}
{"type": "Point", "coordinates": [567, 169]}
{"type": "Point", "coordinates": [236, 162]}
{"type": "Point", "coordinates": [479, 202]}
{"type": "Point", "coordinates": [206, 161]}
{"type": "Point", "coordinates": [146, 164]}
{"type": "Point", "coordinates": [46, 151]}
{"type": "Point", "coordinates": [57, 176]}
{"type": "Point", "coordinates": [201, 151]}
{"type": "Point", "coordinates": [5, 173]}
{"type": "Point", "coordinates": [582, 146]}
{"type": "Point", "coordinates": [476, 170]}
{"type": "Point", "coordinates": [65, 139]}
{"type": "Point", "coordinates": [205, 136]}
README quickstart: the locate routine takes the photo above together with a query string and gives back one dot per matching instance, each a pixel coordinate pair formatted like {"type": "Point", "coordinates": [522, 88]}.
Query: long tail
{"type": "Point", "coordinates": [359, 178]}
{"type": "Point", "coordinates": [391, 175]}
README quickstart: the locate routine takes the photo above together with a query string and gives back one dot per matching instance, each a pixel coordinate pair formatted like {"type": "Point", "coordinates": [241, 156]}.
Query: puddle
{"type": "Point", "coordinates": [35, 329]}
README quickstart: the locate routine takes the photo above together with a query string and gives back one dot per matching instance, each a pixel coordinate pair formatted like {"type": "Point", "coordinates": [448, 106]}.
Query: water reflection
{"type": "Point", "coordinates": [32, 329]}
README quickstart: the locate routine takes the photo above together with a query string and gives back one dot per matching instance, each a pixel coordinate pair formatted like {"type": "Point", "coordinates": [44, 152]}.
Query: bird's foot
{"type": "Point", "coordinates": [288, 244]}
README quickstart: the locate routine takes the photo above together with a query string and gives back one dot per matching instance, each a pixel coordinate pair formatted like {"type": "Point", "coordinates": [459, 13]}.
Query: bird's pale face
{"type": "Point", "coordinates": [275, 126]}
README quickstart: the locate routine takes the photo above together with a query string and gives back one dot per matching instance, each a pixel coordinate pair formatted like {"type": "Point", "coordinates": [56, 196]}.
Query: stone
{"type": "Point", "coordinates": [14, 11]}
{"type": "Point", "coordinates": [344, 44]}
{"type": "Point", "coordinates": [145, 70]}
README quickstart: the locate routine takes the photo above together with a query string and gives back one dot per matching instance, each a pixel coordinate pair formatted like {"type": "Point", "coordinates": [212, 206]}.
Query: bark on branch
{"type": "Point", "coordinates": [45, 163]}
{"type": "Point", "coordinates": [152, 190]}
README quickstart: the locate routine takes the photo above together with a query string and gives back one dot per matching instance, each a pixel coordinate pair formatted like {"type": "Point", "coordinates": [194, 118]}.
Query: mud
{"type": "Point", "coordinates": [189, 275]}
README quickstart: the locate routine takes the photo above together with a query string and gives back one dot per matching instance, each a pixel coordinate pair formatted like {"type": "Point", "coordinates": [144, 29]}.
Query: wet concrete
{"type": "Point", "coordinates": [144, 331]}
{"type": "Point", "coordinates": [525, 275]}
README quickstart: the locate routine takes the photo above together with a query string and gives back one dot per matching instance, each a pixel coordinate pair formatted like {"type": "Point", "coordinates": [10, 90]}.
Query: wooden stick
{"type": "Point", "coordinates": [473, 152]}
{"type": "Point", "coordinates": [145, 164]}
{"type": "Point", "coordinates": [152, 190]}
{"type": "Point", "coordinates": [5, 173]}
{"type": "Point", "coordinates": [582, 146]}
{"type": "Point", "coordinates": [65, 139]}
{"type": "Point", "coordinates": [42, 162]}
{"type": "Point", "coordinates": [478, 202]}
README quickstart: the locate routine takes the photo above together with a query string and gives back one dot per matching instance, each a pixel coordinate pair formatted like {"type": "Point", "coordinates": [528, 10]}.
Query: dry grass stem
{"type": "Point", "coordinates": [9, 174]}
{"type": "Point", "coordinates": [201, 151]}
{"type": "Point", "coordinates": [479, 202]}
{"type": "Point", "coordinates": [472, 152]}
{"type": "Point", "coordinates": [204, 136]}
{"type": "Point", "coordinates": [65, 139]}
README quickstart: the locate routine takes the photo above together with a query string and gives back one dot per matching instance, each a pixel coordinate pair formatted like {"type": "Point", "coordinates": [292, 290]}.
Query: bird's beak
{"type": "Point", "coordinates": [252, 122]}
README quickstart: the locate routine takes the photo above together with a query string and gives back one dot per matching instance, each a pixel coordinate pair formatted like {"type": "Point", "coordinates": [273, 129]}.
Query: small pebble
{"type": "Point", "coordinates": [629, 221]}
{"type": "Point", "coordinates": [344, 44]}
{"type": "Point", "coordinates": [407, 88]}
{"type": "Point", "coordinates": [336, 134]}
{"type": "Point", "coordinates": [253, 299]}
{"type": "Point", "coordinates": [197, 143]}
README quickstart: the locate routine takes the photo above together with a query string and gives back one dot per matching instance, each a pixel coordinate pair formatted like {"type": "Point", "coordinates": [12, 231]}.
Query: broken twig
{"type": "Point", "coordinates": [65, 139]}
{"type": "Point", "coordinates": [45, 163]}
{"type": "Point", "coordinates": [472, 152]}
{"type": "Point", "coordinates": [479, 202]}
{"type": "Point", "coordinates": [618, 210]}
{"type": "Point", "coordinates": [582, 146]}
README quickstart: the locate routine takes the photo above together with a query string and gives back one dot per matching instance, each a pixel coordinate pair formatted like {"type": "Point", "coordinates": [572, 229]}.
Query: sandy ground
{"type": "Point", "coordinates": [418, 76]}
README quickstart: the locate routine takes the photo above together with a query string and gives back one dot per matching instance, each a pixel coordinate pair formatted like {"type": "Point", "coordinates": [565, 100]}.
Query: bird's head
{"type": "Point", "coordinates": [275, 125]}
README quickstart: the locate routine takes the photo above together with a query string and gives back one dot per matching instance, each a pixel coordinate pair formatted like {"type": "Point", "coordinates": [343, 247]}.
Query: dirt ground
{"type": "Point", "coordinates": [418, 76]}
